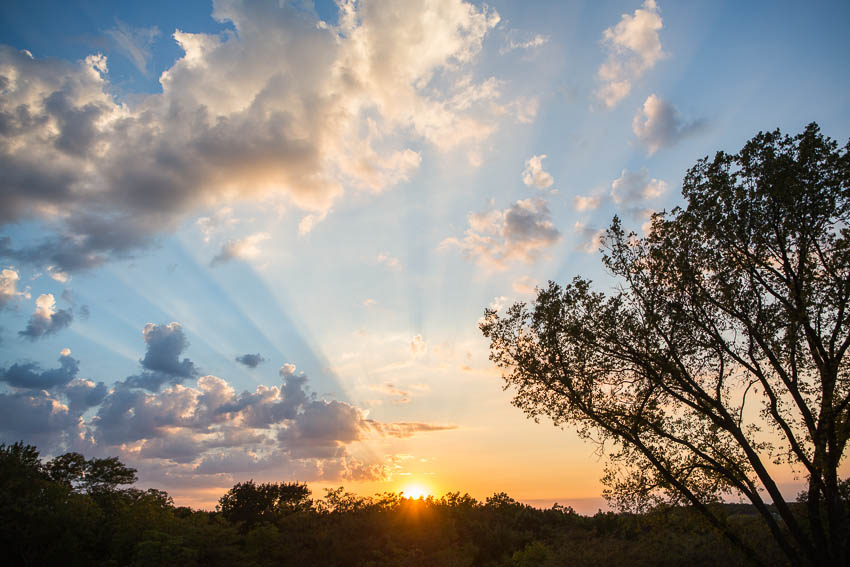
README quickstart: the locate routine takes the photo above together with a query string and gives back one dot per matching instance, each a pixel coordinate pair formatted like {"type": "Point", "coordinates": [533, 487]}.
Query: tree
{"type": "Point", "coordinates": [92, 475]}
{"type": "Point", "coordinates": [250, 503]}
{"type": "Point", "coordinates": [722, 348]}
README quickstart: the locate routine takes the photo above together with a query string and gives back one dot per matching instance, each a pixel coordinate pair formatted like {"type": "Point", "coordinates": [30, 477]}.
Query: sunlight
{"type": "Point", "coordinates": [416, 491]}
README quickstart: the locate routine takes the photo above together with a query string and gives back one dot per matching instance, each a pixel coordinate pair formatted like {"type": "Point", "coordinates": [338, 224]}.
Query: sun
{"type": "Point", "coordinates": [416, 491]}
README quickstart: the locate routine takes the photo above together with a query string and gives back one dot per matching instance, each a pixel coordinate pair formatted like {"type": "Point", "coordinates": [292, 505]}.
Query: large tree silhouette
{"type": "Point", "coordinates": [721, 351]}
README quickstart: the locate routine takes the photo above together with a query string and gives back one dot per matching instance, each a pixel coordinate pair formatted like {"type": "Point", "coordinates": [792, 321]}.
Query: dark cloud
{"type": "Point", "coordinates": [162, 364]}
{"type": "Point", "coordinates": [84, 394]}
{"type": "Point", "coordinates": [90, 238]}
{"type": "Point", "coordinates": [46, 320]}
{"type": "Point", "coordinates": [77, 125]}
{"type": "Point", "coordinates": [122, 417]}
{"type": "Point", "coordinates": [269, 406]}
{"type": "Point", "coordinates": [250, 360]}
{"type": "Point", "coordinates": [206, 429]}
{"type": "Point", "coordinates": [152, 381]}
{"type": "Point", "coordinates": [37, 327]}
{"type": "Point", "coordinates": [30, 375]}
{"type": "Point", "coordinates": [180, 448]}
{"type": "Point", "coordinates": [36, 417]}
{"type": "Point", "coordinates": [322, 429]}
{"type": "Point", "coordinates": [231, 462]}
{"type": "Point", "coordinates": [529, 222]}
{"type": "Point", "coordinates": [165, 344]}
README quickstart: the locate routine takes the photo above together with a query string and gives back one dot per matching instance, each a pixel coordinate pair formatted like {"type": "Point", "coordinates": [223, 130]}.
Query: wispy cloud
{"type": "Point", "coordinates": [524, 41]}
{"type": "Point", "coordinates": [134, 43]}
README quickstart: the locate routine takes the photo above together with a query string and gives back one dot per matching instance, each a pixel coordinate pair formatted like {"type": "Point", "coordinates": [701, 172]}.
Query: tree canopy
{"type": "Point", "coordinates": [249, 503]}
{"type": "Point", "coordinates": [720, 352]}
{"type": "Point", "coordinates": [45, 519]}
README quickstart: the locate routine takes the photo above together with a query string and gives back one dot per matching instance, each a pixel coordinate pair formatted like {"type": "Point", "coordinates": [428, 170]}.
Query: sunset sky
{"type": "Point", "coordinates": [243, 240]}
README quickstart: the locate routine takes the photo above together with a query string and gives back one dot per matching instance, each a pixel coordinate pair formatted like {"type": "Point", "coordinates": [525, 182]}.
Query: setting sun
{"type": "Point", "coordinates": [416, 491]}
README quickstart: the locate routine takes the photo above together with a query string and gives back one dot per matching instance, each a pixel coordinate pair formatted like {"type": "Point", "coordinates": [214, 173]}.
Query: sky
{"type": "Point", "coordinates": [254, 239]}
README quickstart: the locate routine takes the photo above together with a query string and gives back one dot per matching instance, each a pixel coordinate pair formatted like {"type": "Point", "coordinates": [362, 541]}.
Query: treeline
{"type": "Point", "coordinates": [74, 511]}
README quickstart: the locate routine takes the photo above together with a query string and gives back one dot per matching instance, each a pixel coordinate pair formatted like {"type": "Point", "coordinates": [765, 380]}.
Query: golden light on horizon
{"type": "Point", "coordinates": [416, 491]}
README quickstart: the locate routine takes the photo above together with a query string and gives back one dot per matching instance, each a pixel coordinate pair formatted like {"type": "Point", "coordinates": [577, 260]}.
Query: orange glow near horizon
{"type": "Point", "coordinates": [416, 491]}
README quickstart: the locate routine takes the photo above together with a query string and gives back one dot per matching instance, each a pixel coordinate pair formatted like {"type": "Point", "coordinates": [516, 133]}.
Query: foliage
{"type": "Point", "coordinates": [723, 348]}
{"type": "Point", "coordinates": [93, 475]}
{"type": "Point", "coordinates": [248, 503]}
{"type": "Point", "coordinates": [44, 520]}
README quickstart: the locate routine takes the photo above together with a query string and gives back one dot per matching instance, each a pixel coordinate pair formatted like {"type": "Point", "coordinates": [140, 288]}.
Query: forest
{"type": "Point", "coordinates": [70, 510]}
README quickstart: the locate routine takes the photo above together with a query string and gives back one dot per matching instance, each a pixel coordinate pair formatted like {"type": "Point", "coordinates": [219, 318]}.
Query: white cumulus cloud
{"type": "Point", "coordinates": [519, 233]}
{"type": "Point", "coordinates": [286, 106]}
{"type": "Point", "coordinates": [534, 175]}
{"type": "Point", "coordinates": [659, 125]}
{"type": "Point", "coordinates": [242, 249]}
{"type": "Point", "coordinates": [633, 187]}
{"type": "Point", "coordinates": [633, 48]}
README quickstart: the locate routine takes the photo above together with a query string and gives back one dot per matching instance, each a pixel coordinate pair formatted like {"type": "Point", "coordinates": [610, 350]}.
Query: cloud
{"type": "Point", "coordinates": [587, 202]}
{"type": "Point", "coordinates": [134, 43]}
{"type": "Point", "coordinates": [9, 278]}
{"type": "Point", "coordinates": [221, 219]}
{"type": "Point", "coordinates": [84, 394]}
{"type": "Point", "coordinates": [525, 285]}
{"type": "Point", "coordinates": [309, 222]}
{"type": "Point", "coordinates": [58, 275]}
{"type": "Point", "coordinates": [38, 417]}
{"type": "Point", "coordinates": [212, 416]}
{"type": "Point", "coordinates": [526, 109]}
{"type": "Point", "coordinates": [399, 396]}
{"type": "Point", "coordinates": [589, 238]}
{"type": "Point", "coordinates": [179, 432]}
{"type": "Point", "coordinates": [232, 123]}
{"type": "Point", "coordinates": [161, 364]}
{"type": "Point", "coordinates": [633, 48]}
{"type": "Point", "coordinates": [30, 375]}
{"type": "Point", "coordinates": [242, 249]}
{"type": "Point", "coordinates": [516, 40]}
{"type": "Point", "coordinates": [46, 320]}
{"type": "Point", "coordinates": [659, 125]}
{"type": "Point", "coordinates": [182, 447]}
{"type": "Point", "coordinates": [633, 187]}
{"type": "Point", "coordinates": [322, 429]}
{"type": "Point", "coordinates": [250, 360]}
{"type": "Point", "coordinates": [407, 429]}
{"type": "Point", "coordinates": [520, 233]}
{"type": "Point", "coordinates": [534, 175]}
